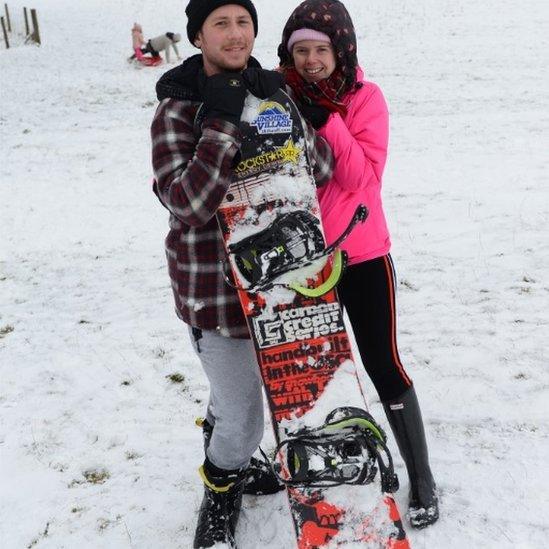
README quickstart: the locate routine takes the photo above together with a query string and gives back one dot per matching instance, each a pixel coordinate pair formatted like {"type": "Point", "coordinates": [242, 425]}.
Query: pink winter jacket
{"type": "Point", "coordinates": [359, 144]}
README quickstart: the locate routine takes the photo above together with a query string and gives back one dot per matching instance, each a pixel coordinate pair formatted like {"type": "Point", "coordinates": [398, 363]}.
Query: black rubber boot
{"type": "Point", "coordinates": [220, 508]}
{"type": "Point", "coordinates": [405, 420]}
{"type": "Point", "coordinates": [259, 479]}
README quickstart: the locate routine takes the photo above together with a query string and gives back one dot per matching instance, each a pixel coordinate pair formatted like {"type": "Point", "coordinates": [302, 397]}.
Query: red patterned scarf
{"type": "Point", "coordinates": [328, 92]}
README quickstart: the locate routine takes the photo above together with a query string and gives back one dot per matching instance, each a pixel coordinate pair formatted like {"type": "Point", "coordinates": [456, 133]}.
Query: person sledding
{"type": "Point", "coordinates": [153, 47]}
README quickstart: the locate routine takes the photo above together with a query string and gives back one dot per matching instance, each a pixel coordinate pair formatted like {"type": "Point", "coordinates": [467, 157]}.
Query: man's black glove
{"type": "Point", "coordinates": [317, 115]}
{"type": "Point", "coordinates": [261, 82]}
{"type": "Point", "coordinates": [224, 95]}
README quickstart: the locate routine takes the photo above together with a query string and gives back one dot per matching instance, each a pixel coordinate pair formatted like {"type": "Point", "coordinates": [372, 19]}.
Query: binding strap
{"type": "Point", "coordinates": [338, 267]}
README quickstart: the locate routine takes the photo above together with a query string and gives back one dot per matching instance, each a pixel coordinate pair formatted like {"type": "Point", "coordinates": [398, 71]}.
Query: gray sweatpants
{"type": "Point", "coordinates": [235, 407]}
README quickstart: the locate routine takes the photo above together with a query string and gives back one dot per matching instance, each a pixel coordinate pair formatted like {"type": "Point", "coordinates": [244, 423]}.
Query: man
{"type": "Point", "coordinates": [193, 162]}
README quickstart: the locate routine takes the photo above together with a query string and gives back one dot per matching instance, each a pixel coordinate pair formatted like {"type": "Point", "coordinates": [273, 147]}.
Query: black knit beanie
{"type": "Point", "coordinates": [198, 10]}
{"type": "Point", "coordinates": [332, 18]}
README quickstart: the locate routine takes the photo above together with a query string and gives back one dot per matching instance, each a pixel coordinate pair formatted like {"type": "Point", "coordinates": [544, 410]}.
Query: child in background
{"type": "Point", "coordinates": [138, 41]}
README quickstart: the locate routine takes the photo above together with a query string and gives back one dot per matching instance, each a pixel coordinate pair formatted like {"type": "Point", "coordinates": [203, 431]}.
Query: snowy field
{"type": "Point", "coordinates": [99, 387]}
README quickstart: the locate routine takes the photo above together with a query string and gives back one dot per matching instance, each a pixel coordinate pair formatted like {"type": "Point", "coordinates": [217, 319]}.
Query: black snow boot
{"type": "Point", "coordinates": [404, 417]}
{"type": "Point", "coordinates": [259, 479]}
{"type": "Point", "coordinates": [218, 514]}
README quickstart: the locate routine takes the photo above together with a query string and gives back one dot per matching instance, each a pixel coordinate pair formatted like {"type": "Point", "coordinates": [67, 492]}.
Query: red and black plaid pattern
{"type": "Point", "coordinates": [192, 175]}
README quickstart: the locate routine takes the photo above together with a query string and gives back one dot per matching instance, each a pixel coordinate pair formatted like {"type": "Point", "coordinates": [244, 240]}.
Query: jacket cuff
{"type": "Point", "coordinates": [332, 124]}
{"type": "Point", "coordinates": [221, 130]}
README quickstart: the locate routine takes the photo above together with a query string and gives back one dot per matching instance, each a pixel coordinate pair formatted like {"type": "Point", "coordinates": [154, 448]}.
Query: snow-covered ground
{"type": "Point", "coordinates": [98, 383]}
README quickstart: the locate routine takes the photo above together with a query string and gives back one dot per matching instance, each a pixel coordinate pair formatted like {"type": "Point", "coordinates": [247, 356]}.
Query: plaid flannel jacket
{"type": "Point", "coordinates": [192, 174]}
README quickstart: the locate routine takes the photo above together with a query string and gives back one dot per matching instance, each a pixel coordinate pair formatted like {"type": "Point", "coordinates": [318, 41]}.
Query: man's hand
{"type": "Point", "coordinates": [262, 83]}
{"type": "Point", "coordinates": [224, 95]}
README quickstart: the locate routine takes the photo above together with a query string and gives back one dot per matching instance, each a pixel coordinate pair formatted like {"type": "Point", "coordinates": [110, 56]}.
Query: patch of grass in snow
{"type": "Point", "coordinates": [158, 352]}
{"type": "Point", "coordinates": [103, 523]}
{"type": "Point", "coordinates": [409, 285]}
{"type": "Point", "coordinates": [132, 454]}
{"type": "Point", "coordinates": [42, 535]}
{"type": "Point", "coordinates": [92, 476]}
{"type": "Point", "coordinates": [61, 467]}
{"type": "Point", "coordinates": [5, 330]}
{"type": "Point", "coordinates": [176, 378]}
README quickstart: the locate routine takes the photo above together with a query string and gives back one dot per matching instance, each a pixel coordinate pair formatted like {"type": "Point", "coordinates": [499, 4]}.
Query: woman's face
{"type": "Point", "coordinates": [313, 60]}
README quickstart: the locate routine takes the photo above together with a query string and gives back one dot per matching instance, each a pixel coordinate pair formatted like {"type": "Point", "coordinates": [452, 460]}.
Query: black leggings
{"type": "Point", "coordinates": [367, 292]}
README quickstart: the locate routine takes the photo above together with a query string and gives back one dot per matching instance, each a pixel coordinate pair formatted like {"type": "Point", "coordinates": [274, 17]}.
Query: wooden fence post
{"type": "Point", "coordinates": [7, 17]}
{"type": "Point", "coordinates": [27, 30]}
{"type": "Point", "coordinates": [5, 33]}
{"type": "Point", "coordinates": [36, 30]}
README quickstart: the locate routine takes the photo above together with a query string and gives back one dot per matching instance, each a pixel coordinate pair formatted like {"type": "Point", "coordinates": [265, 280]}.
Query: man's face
{"type": "Point", "coordinates": [226, 39]}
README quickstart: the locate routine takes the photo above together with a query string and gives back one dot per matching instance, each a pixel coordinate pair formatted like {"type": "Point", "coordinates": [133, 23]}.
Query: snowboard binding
{"type": "Point", "coordinates": [346, 449]}
{"type": "Point", "coordinates": [293, 241]}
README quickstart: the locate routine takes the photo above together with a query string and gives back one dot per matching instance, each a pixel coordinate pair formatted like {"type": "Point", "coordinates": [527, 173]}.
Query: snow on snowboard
{"type": "Point", "coordinates": [329, 447]}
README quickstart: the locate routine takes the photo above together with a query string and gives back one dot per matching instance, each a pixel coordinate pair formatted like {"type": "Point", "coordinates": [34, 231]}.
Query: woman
{"type": "Point", "coordinates": [319, 60]}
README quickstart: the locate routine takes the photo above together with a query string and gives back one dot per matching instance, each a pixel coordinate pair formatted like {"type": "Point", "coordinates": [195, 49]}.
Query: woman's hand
{"type": "Point", "coordinates": [317, 115]}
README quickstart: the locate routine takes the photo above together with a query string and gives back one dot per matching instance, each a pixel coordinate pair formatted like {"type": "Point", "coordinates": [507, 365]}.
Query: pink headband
{"type": "Point", "coordinates": [306, 34]}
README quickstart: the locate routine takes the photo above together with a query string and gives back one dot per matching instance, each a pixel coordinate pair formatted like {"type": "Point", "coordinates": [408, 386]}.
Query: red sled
{"type": "Point", "coordinates": [150, 61]}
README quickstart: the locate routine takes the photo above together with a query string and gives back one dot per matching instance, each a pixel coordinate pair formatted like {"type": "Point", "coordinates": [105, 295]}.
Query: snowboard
{"type": "Point", "coordinates": [270, 220]}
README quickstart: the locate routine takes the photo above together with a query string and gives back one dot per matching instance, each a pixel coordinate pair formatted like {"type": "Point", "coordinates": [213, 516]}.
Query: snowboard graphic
{"type": "Point", "coordinates": [270, 220]}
